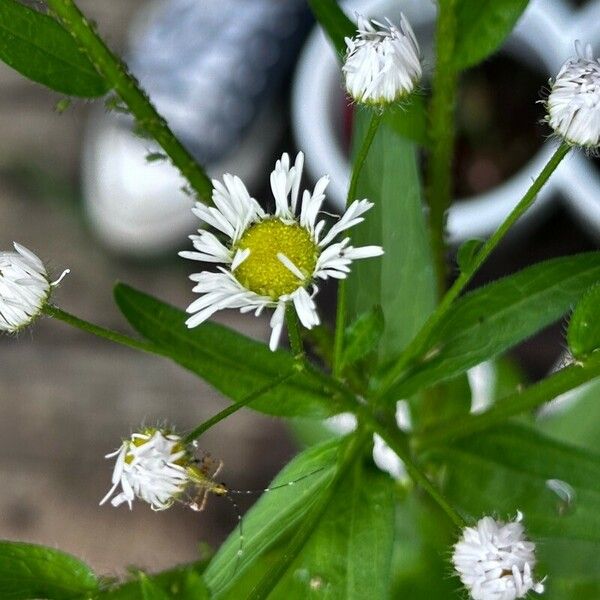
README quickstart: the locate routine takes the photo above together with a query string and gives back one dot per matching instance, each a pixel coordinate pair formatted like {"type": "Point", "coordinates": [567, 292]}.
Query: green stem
{"type": "Point", "coordinates": [107, 334]}
{"type": "Point", "coordinates": [294, 333]}
{"type": "Point", "coordinates": [115, 72]}
{"type": "Point", "coordinates": [564, 380]}
{"type": "Point", "coordinates": [361, 157]}
{"type": "Point", "coordinates": [203, 427]}
{"type": "Point", "coordinates": [398, 442]}
{"type": "Point", "coordinates": [419, 342]}
{"type": "Point", "coordinates": [441, 133]}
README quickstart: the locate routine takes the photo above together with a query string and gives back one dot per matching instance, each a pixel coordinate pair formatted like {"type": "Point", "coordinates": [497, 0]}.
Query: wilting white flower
{"type": "Point", "coordinates": [495, 561]}
{"type": "Point", "coordinates": [152, 466]}
{"type": "Point", "coordinates": [574, 102]}
{"type": "Point", "coordinates": [270, 259]}
{"type": "Point", "coordinates": [382, 62]}
{"type": "Point", "coordinates": [383, 456]}
{"type": "Point", "coordinates": [24, 288]}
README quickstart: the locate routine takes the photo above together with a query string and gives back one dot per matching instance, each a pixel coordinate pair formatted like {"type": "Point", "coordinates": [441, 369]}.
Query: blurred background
{"type": "Point", "coordinates": [240, 81]}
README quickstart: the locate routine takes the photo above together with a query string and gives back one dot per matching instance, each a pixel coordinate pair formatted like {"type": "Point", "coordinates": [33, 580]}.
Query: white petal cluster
{"type": "Point", "coordinates": [574, 102]}
{"type": "Point", "coordinates": [234, 212]}
{"type": "Point", "coordinates": [24, 288]}
{"type": "Point", "coordinates": [495, 561]}
{"type": "Point", "coordinates": [382, 62]}
{"type": "Point", "coordinates": [149, 466]}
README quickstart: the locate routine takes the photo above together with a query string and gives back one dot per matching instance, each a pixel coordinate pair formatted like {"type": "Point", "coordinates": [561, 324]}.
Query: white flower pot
{"type": "Point", "coordinates": [540, 39]}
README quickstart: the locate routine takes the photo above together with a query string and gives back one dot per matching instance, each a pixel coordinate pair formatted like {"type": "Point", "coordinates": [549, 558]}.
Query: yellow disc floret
{"type": "Point", "coordinates": [263, 272]}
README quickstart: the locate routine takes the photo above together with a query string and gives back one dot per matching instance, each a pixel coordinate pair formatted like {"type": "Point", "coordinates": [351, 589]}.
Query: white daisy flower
{"type": "Point", "coordinates": [574, 102]}
{"type": "Point", "coordinates": [24, 288]}
{"type": "Point", "coordinates": [382, 62]}
{"type": "Point", "coordinates": [495, 561]}
{"type": "Point", "coordinates": [270, 260]}
{"type": "Point", "coordinates": [152, 466]}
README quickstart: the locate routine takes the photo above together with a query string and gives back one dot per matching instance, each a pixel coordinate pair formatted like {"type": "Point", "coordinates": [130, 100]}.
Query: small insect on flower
{"type": "Point", "coordinates": [573, 105]}
{"type": "Point", "coordinates": [271, 260]}
{"type": "Point", "coordinates": [152, 465]}
{"type": "Point", "coordinates": [495, 561]}
{"type": "Point", "coordinates": [25, 288]}
{"type": "Point", "coordinates": [382, 63]}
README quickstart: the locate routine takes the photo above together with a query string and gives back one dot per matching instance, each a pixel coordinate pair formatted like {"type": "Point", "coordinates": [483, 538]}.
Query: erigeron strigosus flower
{"type": "Point", "coordinates": [382, 63]}
{"type": "Point", "coordinates": [152, 466]}
{"type": "Point", "coordinates": [573, 105]}
{"type": "Point", "coordinates": [270, 260]}
{"type": "Point", "coordinates": [25, 288]}
{"type": "Point", "coordinates": [495, 560]}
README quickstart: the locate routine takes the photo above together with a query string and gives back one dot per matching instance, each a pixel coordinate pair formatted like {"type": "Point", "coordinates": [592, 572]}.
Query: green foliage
{"type": "Point", "coordinates": [325, 558]}
{"type": "Point", "coordinates": [492, 319]}
{"type": "Point", "coordinates": [465, 257]}
{"type": "Point", "coordinates": [409, 119]}
{"type": "Point", "coordinates": [231, 362]}
{"type": "Point", "coordinates": [578, 423]}
{"type": "Point", "coordinates": [401, 282]}
{"type": "Point", "coordinates": [29, 572]}
{"type": "Point", "coordinates": [514, 468]}
{"type": "Point", "coordinates": [334, 21]}
{"type": "Point", "coordinates": [35, 45]}
{"type": "Point", "coordinates": [362, 336]}
{"type": "Point", "coordinates": [482, 26]}
{"type": "Point", "coordinates": [273, 518]}
{"type": "Point", "coordinates": [583, 334]}
{"type": "Point", "coordinates": [150, 590]}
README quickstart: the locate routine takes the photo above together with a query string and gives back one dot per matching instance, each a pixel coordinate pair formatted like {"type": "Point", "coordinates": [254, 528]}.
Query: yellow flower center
{"type": "Point", "coordinates": [263, 272]}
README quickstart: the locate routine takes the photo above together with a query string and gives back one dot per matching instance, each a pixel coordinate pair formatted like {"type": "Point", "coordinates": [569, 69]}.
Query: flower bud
{"type": "Point", "coordinates": [382, 64]}
{"type": "Point", "coordinates": [573, 105]}
{"type": "Point", "coordinates": [24, 288]}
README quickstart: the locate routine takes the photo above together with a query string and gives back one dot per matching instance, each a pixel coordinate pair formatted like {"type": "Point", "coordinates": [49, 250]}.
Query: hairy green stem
{"type": "Point", "coordinates": [398, 441]}
{"type": "Point", "coordinates": [441, 136]}
{"type": "Point", "coordinates": [115, 72]}
{"type": "Point", "coordinates": [564, 380]}
{"type": "Point", "coordinates": [340, 321]}
{"type": "Point", "coordinates": [419, 342]}
{"type": "Point", "coordinates": [107, 334]}
{"type": "Point", "coordinates": [203, 427]}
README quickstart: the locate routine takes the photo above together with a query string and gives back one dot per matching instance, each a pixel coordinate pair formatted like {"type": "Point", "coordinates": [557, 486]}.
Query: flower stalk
{"type": "Point", "coordinates": [419, 342]}
{"type": "Point", "coordinates": [441, 134]}
{"type": "Point", "coordinates": [533, 397]}
{"type": "Point", "coordinates": [361, 157]}
{"type": "Point", "coordinates": [124, 84]}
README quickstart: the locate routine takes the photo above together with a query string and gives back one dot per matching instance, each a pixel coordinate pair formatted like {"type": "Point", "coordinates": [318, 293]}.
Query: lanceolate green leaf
{"type": "Point", "coordinates": [490, 320]}
{"type": "Point", "coordinates": [270, 523]}
{"type": "Point", "coordinates": [577, 422]}
{"type": "Point", "coordinates": [402, 280]}
{"type": "Point", "coordinates": [482, 26]}
{"type": "Point", "coordinates": [583, 334]}
{"type": "Point", "coordinates": [334, 21]}
{"type": "Point", "coordinates": [354, 524]}
{"type": "Point", "coordinates": [362, 336]}
{"type": "Point", "coordinates": [29, 572]}
{"type": "Point", "coordinates": [40, 49]}
{"type": "Point", "coordinates": [229, 361]}
{"type": "Point", "coordinates": [557, 487]}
